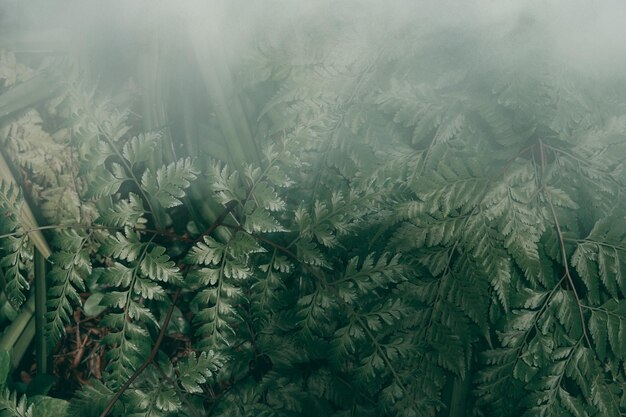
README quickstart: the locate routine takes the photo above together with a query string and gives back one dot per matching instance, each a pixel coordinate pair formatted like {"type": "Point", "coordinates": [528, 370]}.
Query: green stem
{"type": "Point", "coordinates": [41, 350]}
{"type": "Point", "coordinates": [17, 336]}
{"type": "Point", "coordinates": [18, 331]}
{"type": "Point", "coordinates": [28, 93]}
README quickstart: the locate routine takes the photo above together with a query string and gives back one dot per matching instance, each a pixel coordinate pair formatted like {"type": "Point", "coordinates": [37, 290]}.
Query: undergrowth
{"type": "Point", "coordinates": [387, 227]}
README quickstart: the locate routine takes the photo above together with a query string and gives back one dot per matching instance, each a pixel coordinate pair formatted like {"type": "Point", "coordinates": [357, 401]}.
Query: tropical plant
{"type": "Point", "coordinates": [348, 220]}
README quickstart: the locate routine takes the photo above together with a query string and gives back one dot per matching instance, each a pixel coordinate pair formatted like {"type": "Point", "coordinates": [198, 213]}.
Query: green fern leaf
{"type": "Point", "coordinates": [267, 197]}
{"type": "Point", "coordinates": [10, 406]}
{"type": "Point", "coordinates": [309, 253]}
{"type": "Point", "coordinates": [125, 213]}
{"type": "Point", "coordinates": [92, 399]}
{"type": "Point", "coordinates": [261, 220]}
{"type": "Point", "coordinates": [125, 247]}
{"type": "Point", "coordinates": [208, 253]}
{"type": "Point", "coordinates": [139, 148]}
{"type": "Point", "coordinates": [584, 260]}
{"type": "Point", "coordinates": [16, 253]}
{"type": "Point", "coordinates": [15, 267]}
{"type": "Point", "coordinates": [106, 183]}
{"type": "Point", "coordinates": [226, 184]}
{"type": "Point", "coordinates": [195, 370]}
{"type": "Point", "coordinates": [70, 266]}
{"type": "Point", "coordinates": [168, 183]}
{"type": "Point", "coordinates": [158, 266]}
{"type": "Point", "coordinates": [605, 397]}
{"type": "Point", "coordinates": [608, 323]}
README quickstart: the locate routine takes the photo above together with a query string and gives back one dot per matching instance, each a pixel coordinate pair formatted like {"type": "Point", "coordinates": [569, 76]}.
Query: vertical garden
{"type": "Point", "coordinates": [231, 208]}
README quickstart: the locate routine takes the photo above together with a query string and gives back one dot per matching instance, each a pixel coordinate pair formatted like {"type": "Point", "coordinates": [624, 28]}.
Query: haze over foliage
{"type": "Point", "coordinates": [312, 208]}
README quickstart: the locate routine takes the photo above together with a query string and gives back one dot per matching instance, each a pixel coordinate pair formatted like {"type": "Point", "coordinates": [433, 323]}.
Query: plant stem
{"type": "Point", "coordinates": [40, 313]}
{"type": "Point", "coordinates": [166, 321]}
{"type": "Point", "coordinates": [557, 225]}
{"type": "Point", "coordinates": [148, 361]}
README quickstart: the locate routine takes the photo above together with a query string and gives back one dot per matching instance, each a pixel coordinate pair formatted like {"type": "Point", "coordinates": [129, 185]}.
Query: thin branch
{"type": "Point", "coordinates": [509, 162]}
{"type": "Point", "coordinates": [157, 344]}
{"type": "Point", "coordinates": [598, 243]}
{"type": "Point", "coordinates": [124, 162]}
{"type": "Point", "coordinates": [179, 392]}
{"type": "Point", "coordinates": [35, 229]}
{"type": "Point", "coordinates": [383, 354]}
{"type": "Point", "coordinates": [230, 206]}
{"type": "Point", "coordinates": [147, 362]}
{"type": "Point", "coordinates": [164, 233]}
{"type": "Point", "coordinates": [568, 274]}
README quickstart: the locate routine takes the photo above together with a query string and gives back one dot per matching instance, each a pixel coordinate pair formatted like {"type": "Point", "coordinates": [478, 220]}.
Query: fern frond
{"type": "Point", "coordinates": [126, 212]}
{"type": "Point", "coordinates": [602, 255]}
{"type": "Point", "coordinates": [607, 323]}
{"type": "Point", "coordinates": [70, 266]}
{"type": "Point", "coordinates": [140, 148]}
{"type": "Point", "coordinates": [195, 370]}
{"type": "Point", "coordinates": [92, 400]}
{"type": "Point", "coordinates": [218, 299]}
{"type": "Point", "coordinates": [16, 251]}
{"type": "Point", "coordinates": [157, 265]}
{"type": "Point", "coordinates": [105, 182]}
{"type": "Point", "coordinates": [166, 185]}
{"type": "Point", "coordinates": [10, 406]}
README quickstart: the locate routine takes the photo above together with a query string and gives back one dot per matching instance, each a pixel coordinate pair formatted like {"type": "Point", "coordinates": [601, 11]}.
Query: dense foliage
{"type": "Point", "coordinates": [351, 222]}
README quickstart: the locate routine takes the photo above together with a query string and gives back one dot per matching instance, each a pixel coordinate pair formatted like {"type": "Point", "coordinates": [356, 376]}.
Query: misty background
{"type": "Point", "coordinates": [587, 36]}
{"type": "Point", "coordinates": [219, 79]}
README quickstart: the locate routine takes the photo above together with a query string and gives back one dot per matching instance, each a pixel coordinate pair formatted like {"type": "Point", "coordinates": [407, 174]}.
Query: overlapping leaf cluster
{"type": "Point", "coordinates": [424, 233]}
{"type": "Point", "coordinates": [507, 179]}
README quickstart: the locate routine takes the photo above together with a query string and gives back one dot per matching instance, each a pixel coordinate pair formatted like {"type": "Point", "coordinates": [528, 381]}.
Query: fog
{"type": "Point", "coordinates": [582, 35]}
{"type": "Point", "coordinates": [442, 129]}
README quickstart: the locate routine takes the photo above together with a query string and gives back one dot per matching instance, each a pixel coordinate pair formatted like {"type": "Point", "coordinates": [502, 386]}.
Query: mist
{"type": "Point", "coordinates": [585, 36]}
{"type": "Point", "coordinates": [329, 207]}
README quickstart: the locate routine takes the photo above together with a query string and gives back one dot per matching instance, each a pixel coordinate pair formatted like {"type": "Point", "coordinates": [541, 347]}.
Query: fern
{"type": "Point", "coordinates": [35, 149]}
{"type": "Point", "coordinates": [364, 221]}
{"type": "Point", "coordinates": [127, 337]}
{"type": "Point", "coordinates": [600, 254]}
{"type": "Point", "coordinates": [194, 371]}
{"type": "Point", "coordinates": [221, 292]}
{"type": "Point", "coordinates": [11, 406]}
{"type": "Point", "coordinates": [71, 265]}
{"type": "Point", "coordinates": [139, 148]}
{"type": "Point", "coordinates": [166, 185]}
{"type": "Point", "coordinates": [125, 213]}
{"type": "Point", "coordinates": [17, 251]}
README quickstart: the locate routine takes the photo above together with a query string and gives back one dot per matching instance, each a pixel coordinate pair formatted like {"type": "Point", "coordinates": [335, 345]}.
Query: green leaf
{"type": "Point", "coordinates": [128, 212]}
{"type": "Point", "coordinates": [49, 407]}
{"type": "Point", "coordinates": [309, 253]}
{"type": "Point", "coordinates": [608, 324]}
{"type": "Point", "coordinates": [140, 148]}
{"type": "Point", "coordinates": [193, 371]}
{"type": "Point", "coordinates": [157, 265]}
{"type": "Point", "coordinates": [92, 306]}
{"type": "Point", "coordinates": [105, 183]}
{"type": "Point", "coordinates": [10, 406]}
{"type": "Point", "coordinates": [560, 198]}
{"type": "Point", "coordinates": [208, 253]}
{"type": "Point", "coordinates": [168, 183]}
{"type": "Point", "coordinates": [126, 247]}
{"type": "Point", "coordinates": [261, 220]}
